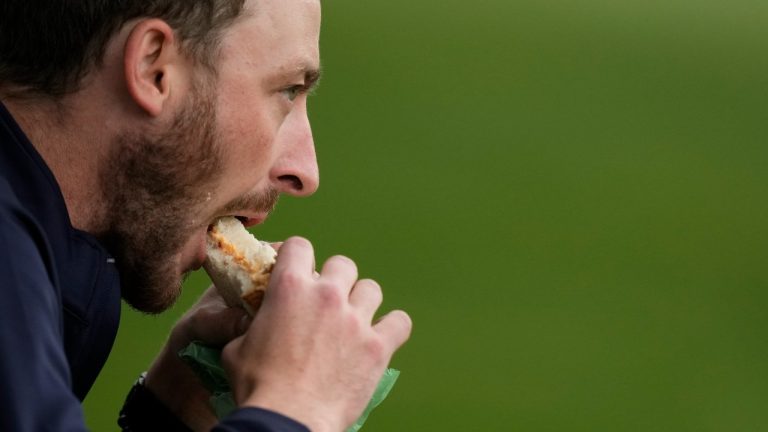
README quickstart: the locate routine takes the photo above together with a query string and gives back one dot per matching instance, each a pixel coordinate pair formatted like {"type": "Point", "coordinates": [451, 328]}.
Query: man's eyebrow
{"type": "Point", "coordinates": [312, 78]}
{"type": "Point", "coordinates": [309, 72]}
{"type": "Point", "coordinates": [309, 69]}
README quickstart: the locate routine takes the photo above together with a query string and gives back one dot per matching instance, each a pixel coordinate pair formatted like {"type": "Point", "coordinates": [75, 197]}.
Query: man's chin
{"type": "Point", "coordinates": [151, 296]}
{"type": "Point", "coordinates": [151, 306]}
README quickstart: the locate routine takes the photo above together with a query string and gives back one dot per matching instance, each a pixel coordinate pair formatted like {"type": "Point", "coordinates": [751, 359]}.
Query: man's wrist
{"type": "Point", "coordinates": [142, 411]}
{"type": "Point", "coordinates": [180, 390]}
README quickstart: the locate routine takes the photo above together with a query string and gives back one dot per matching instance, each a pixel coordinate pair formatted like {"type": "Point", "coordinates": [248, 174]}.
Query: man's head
{"type": "Point", "coordinates": [201, 112]}
{"type": "Point", "coordinates": [48, 47]}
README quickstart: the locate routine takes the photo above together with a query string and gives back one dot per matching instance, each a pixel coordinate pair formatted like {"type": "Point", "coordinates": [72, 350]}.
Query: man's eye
{"type": "Point", "coordinates": [293, 92]}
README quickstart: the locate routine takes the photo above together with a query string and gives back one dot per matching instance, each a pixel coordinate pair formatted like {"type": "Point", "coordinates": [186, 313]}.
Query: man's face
{"type": "Point", "coordinates": [240, 139]}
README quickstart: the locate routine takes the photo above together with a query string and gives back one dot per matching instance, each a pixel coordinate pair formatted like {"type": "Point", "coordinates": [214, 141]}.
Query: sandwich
{"type": "Point", "coordinates": [239, 265]}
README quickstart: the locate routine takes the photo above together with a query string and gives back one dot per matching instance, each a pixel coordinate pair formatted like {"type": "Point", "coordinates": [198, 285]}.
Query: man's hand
{"type": "Point", "coordinates": [312, 352]}
{"type": "Point", "coordinates": [173, 382]}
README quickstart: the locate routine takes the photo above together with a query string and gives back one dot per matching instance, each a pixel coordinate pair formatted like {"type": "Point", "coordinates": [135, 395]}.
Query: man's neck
{"type": "Point", "coordinates": [73, 141]}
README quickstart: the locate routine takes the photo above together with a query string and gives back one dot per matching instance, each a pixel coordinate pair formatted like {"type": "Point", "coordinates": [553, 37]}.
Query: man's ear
{"type": "Point", "coordinates": [152, 61]}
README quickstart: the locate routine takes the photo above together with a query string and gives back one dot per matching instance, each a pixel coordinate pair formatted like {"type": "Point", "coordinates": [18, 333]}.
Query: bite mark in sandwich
{"type": "Point", "coordinates": [239, 265]}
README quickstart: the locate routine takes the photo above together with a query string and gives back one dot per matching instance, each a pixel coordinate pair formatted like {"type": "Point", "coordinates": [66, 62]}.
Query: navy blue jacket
{"type": "Point", "coordinates": [59, 302]}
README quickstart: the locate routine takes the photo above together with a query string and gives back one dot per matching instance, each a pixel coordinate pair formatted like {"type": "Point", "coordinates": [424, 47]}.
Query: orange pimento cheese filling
{"type": "Point", "coordinates": [257, 273]}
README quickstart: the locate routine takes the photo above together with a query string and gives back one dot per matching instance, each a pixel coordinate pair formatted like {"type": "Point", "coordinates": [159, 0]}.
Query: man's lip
{"type": "Point", "coordinates": [202, 253]}
{"type": "Point", "coordinates": [248, 218]}
{"type": "Point", "coordinates": [251, 221]}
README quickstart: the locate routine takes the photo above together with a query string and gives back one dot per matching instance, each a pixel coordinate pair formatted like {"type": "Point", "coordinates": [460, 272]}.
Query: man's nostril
{"type": "Point", "coordinates": [293, 181]}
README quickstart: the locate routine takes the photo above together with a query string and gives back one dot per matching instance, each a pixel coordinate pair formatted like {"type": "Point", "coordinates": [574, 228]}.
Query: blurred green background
{"type": "Point", "coordinates": [569, 197]}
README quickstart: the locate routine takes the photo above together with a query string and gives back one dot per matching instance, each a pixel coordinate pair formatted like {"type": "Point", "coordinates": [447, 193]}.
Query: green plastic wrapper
{"type": "Point", "coordinates": [206, 362]}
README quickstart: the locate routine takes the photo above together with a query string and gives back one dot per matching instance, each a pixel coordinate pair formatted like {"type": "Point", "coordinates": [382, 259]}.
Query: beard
{"type": "Point", "coordinates": [156, 186]}
{"type": "Point", "coordinates": [153, 184]}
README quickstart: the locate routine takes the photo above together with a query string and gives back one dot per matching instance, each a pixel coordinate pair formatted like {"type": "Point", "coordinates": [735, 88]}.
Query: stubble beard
{"type": "Point", "coordinates": [155, 186]}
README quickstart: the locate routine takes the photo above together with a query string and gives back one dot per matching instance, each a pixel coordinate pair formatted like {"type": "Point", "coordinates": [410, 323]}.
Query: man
{"type": "Point", "coordinates": [126, 128]}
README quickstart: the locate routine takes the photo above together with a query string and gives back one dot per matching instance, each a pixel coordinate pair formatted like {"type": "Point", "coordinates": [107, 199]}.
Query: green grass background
{"type": "Point", "coordinates": [569, 197]}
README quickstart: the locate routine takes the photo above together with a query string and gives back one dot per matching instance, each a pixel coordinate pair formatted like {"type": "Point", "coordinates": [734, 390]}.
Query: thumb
{"type": "Point", "coordinates": [216, 328]}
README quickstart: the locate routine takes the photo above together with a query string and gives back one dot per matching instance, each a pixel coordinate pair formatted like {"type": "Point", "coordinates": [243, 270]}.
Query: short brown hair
{"type": "Point", "coordinates": [48, 46]}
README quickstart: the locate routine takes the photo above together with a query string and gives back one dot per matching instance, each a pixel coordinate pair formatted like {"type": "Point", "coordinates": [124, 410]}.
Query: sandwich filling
{"type": "Point", "coordinates": [239, 265]}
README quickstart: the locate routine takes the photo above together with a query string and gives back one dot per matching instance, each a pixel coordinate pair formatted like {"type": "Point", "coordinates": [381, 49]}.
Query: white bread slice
{"type": "Point", "coordinates": [239, 265]}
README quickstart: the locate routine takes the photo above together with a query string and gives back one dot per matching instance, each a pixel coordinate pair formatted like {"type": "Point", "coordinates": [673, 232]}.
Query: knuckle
{"type": "Point", "coordinates": [342, 263]}
{"type": "Point", "coordinates": [354, 324]}
{"type": "Point", "coordinates": [404, 319]}
{"type": "Point", "coordinates": [196, 320]}
{"type": "Point", "coordinates": [298, 242]}
{"type": "Point", "coordinates": [343, 260]}
{"type": "Point", "coordinates": [291, 278]}
{"type": "Point", "coordinates": [376, 349]}
{"type": "Point", "coordinates": [399, 326]}
{"type": "Point", "coordinates": [330, 296]}
{"type": "Point", "coordinates": [374, 289]}
{"type": "Point", "coordinates": [371, 282]}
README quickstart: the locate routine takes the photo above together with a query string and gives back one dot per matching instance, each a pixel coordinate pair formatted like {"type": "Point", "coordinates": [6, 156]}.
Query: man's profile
{"type": "Point", "coordinates": [126, 129]}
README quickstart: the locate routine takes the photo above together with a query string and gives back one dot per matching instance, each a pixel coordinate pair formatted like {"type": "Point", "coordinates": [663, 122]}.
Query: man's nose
{"type": "Point", "coordinates": [295, 172]}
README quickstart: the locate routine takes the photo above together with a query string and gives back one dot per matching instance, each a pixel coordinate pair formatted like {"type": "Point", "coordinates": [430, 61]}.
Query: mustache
{"type": "Point", "coordinates": [262, 202]}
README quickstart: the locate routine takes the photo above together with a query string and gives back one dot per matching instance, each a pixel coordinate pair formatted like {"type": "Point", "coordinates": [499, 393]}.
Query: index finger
{"type": "Point", "coordinates": [295, 253]}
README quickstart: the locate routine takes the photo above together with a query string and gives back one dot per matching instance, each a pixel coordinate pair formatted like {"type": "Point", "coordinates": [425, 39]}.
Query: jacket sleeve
{"type": "Point", "coordinates": [258, 420]}
{"type": "Point", "coordinates": [35, 394]}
